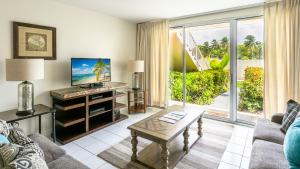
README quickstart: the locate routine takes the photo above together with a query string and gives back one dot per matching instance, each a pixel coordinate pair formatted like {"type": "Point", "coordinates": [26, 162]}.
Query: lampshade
{"type": "Point", "coordinates": [136, 66]}
{"type": "Point", "coordinates": [24, 69]}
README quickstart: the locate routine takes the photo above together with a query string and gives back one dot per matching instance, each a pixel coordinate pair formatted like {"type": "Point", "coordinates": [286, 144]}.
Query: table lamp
{"type": "Point", "coordinates": [135, 66]}
{"type": "Point", "coordinates": [25, 70]}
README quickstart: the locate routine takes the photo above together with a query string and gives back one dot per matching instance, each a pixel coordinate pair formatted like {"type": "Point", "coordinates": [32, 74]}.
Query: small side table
{"type": "Point", "coordinates": [137, 101]}
{"type": "Point", "coordinates": [11, 117]}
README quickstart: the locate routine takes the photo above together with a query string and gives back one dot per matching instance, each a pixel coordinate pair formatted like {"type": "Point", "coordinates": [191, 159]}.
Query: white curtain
{"type": "Point", "coordinates": [282, 54]}
{"type": "Point", "coordinates": [152, 47]}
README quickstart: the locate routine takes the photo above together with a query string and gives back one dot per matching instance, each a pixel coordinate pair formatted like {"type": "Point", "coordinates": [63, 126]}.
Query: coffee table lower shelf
{"type": "Point", "coordinates": [151, 155]}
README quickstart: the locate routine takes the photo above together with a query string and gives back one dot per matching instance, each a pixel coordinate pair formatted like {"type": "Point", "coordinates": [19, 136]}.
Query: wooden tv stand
{"type": "Point", "coordinates": [81, 111]}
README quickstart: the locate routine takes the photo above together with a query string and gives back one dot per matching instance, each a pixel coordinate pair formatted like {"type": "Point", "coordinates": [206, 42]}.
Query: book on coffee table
{"type": "Point", "coordinates": [170, 116]}
{"type": "Point", "coordinates": [178, 113]}
{"type": "Point", "coordinates": [164, 119]}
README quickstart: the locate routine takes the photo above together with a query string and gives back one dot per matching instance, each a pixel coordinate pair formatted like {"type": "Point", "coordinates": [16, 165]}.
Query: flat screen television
{"type": "Point", "coordinates": [86, 71]}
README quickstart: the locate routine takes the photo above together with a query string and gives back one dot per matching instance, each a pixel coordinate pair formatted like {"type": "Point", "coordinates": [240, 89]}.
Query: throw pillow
{"type": "Point", "coordinates": [289, 106]}
{"type": "Point", "coordinates": [292, 145]}
{"type": "Point", "coordinates": [4, 129]}
{"type": "Point", "coordinates": [19, 137]}
{"type": "Point", "coordinates": [13, 156]}
{"type": "Point", "coordinates": [293, 108]}
{"type": "Point", "coordinates": [3, 139]}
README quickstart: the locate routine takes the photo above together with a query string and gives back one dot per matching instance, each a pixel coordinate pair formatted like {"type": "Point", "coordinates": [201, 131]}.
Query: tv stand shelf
{"type": "Point", "coordinates": [69, 107]}
{"type": "Point", "coordinates": [81, 111]}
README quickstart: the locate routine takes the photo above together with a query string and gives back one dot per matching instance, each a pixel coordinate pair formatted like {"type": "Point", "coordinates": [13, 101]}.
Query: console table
{"type": "Point", "coordinates": [40, 110]}
{"type": "Point", "coordinates": [81, 111]}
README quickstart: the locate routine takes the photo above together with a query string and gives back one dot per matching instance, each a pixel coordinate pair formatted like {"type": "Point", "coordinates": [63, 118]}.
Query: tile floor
{"type": "Point", "coordinates": [85, 149]}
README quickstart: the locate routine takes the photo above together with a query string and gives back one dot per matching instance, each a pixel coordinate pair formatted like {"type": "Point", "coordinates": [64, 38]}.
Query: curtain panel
{"type": "Point", "coordinates": [282, 54]}
{"type": "Point", "coordinates": [152, 47]}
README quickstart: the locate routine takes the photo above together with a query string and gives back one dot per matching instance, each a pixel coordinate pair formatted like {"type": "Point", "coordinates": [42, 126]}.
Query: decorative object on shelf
{"type": "Point", "coordinates": [136, 66]}
{"type": "Point", "coordinates": [34, 41]}
{"type": "Point", "coordinates": [24, 70]}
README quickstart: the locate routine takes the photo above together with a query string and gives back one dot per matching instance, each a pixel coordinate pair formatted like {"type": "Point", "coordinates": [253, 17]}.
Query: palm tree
{"type": "Point", "coordinates": [205, 49]}
{"type": "Point", "coordinates": [215, 48]}
{"type": "Point", "coordinates": [249, 40]}
{"type": "Point", "coordinates": [258, 50]}
{"type": "Point", "coordinates": [250, 44]}
{"type": "Point", "coordinates": [225, 43]}
{"type": "Point", "coordinates": [214, 44]}
{"type": "Point", "coordinates": [98, 69]}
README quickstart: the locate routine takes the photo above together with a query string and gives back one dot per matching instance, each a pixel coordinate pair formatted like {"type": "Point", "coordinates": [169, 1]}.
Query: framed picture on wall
{"type": "Point", "coordinates": [34, 41]}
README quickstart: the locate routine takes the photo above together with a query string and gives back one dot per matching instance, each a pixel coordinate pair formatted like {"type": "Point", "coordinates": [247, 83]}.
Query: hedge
{"type": "Point", "coordinates": [252, 90]}
{"type": "Point", "coordinates": [201, 87]}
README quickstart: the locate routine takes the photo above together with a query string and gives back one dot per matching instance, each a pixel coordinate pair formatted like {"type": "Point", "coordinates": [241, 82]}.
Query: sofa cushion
{"type": "Point", "coordinates": [289, 117]}
{"type": "Point", "coordinates": [268, 131]}
{"type": "Point", "coordinates": [277, 118]}
{"type": "Point", "coordinates": [51, 150]}
{"type": "Point", "coordinates": [267, 155]}
{"type": "Point", "coordinates": [66, 162]}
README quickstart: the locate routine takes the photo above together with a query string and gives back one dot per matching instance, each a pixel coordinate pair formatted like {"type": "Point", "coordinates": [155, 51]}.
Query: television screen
{"type": "Point", "coordinates": [90, 70]}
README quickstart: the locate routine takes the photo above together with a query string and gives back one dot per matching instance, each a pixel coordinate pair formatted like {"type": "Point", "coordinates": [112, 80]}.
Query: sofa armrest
{"type": "Point", "coordinates": [51, 150]}
{"type": "Point", "coordinates": [277, 118]}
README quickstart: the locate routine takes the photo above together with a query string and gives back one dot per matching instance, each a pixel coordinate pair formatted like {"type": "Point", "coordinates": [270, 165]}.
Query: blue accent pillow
{"type": "Point", "coordinates": [292, 145]}
{"type": "Point", "coordinates": [3, 139]}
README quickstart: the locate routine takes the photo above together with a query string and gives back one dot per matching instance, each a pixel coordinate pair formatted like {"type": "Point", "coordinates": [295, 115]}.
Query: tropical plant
{"type": "Point", "coordinates": [250, 49]}
{"type": "Point", "coordinates": [215, 49]}
{"type": "Point", "coordinates": [205, 49]}
{"type": "Point", "coordinates": [252, 89]}
{"type": "Point", "coordinates": [201, 87]}
{"type": "Point", "coordinates": [99, 68]}
{"type": "Point", "coordinates": [225, 43]}
{"type": "Point", "coordinates": [215, 64]}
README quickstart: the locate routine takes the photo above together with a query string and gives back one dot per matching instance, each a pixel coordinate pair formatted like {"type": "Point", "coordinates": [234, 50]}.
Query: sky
{"type": "Point", "coordinates": [85, 66]}
{"type": "Point", "coordinates": [218, 31]}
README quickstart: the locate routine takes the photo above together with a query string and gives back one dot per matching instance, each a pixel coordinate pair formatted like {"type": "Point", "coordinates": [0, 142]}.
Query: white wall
{"type": "Point", "coordinates": [80, 33]}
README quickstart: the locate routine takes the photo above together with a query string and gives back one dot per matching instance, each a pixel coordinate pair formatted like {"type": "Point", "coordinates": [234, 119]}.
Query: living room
{"type": "Point", "coordinates": [149, 84]}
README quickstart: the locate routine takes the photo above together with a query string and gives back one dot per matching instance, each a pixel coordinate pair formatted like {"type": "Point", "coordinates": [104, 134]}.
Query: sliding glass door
{"type": "Point", "coordinates": [176, 66]}
{"type": "Point", "coordinates": [250, 69]}
{"type": "Point", "coordinates": [209, 67]}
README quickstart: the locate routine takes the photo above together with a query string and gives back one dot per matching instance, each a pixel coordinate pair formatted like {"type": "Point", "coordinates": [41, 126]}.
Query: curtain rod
{"type": "Point", "coordinates": [218, 11]}
{"type": "Point", "coordinates": [261, 4]}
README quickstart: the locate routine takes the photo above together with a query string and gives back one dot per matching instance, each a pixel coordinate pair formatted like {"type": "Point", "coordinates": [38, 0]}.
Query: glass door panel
{"type": "Point", "coordinates": [208, 68]}
{"type": "Point", "coordinates": [250, 69]}
{"type": "Point", "coordinates": [176, 41]}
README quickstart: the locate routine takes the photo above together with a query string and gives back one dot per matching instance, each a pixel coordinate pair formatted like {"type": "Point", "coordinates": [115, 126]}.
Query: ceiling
{"type": "Point", "coordinates": [145, 10]}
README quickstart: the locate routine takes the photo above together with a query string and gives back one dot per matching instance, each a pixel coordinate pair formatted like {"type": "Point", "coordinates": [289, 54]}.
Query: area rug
{"type": "Point", "coordinates": [206, 153]}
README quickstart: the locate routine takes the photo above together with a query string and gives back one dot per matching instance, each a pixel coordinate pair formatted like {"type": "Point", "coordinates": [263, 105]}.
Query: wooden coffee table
{"type": "Point", "coordinates": [167, 149]}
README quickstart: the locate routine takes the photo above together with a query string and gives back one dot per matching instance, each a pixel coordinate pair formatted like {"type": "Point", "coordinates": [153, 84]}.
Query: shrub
{"type": "Point", "coordinates": [176, 85]}
{"type": "Point", "coordinates": [201, 87]}
{"type": "Point", "coordinates": [215, 64]}
{"type": "Point", "coordinates": [252, 90]}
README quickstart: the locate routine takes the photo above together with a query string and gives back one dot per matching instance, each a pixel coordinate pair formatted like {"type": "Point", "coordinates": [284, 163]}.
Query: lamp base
{"type": "Point", "coordinates": [25, 98]}
{"type": "Point", "coordinates": [135, 81]}
{"type": "Point", "coordinates": [25, 113]}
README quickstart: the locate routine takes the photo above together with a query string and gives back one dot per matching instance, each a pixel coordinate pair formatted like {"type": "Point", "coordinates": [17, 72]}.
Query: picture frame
{"type": "Point", "coordinates": [32, 41]}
